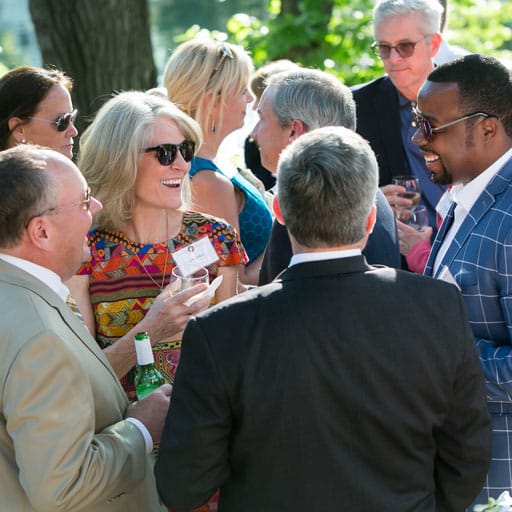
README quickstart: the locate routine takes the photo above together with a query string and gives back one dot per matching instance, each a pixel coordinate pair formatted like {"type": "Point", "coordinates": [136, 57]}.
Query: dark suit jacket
{"type": "Point", "coordinates": [382, 247]}
{"type": "Point", "coordinates": [336, 387]}
{"type": "Point", "coordinates": [378, 121]}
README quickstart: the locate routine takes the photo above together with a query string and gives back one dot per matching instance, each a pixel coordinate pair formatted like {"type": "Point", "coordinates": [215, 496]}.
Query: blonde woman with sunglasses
{"type": "Point", "coordinates": [36, 108]}
{"type": "Point", "coordinates": [136, 156]}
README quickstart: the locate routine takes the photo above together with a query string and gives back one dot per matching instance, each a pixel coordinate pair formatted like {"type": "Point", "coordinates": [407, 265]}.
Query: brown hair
{"type": "Point", "coordinates": [21, 91]}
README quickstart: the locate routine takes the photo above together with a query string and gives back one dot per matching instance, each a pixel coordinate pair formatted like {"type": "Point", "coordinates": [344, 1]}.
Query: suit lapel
{"type": "Point", "coordinates": [483, 204]}
{"type": "Point", "coordinates": [479, 209]}
{"type": "Point", "coordinates": [15, 276]}
{"type": "Point", "coordinates": [445, 226]}
{"type": "Point", "coordinates": [389, 126]}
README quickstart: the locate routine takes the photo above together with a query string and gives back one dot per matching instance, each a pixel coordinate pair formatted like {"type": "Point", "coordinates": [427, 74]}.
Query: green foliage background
{"type": "Point", "coordinates": [336, 35]}
{"type": "Point", "coordinates": [341, 41]}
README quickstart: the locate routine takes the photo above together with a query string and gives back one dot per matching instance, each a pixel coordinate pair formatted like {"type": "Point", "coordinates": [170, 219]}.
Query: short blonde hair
{"type": "Point", "coordinates": [201, 66]}
{"type": "Point", "coordinates": [112, 146]}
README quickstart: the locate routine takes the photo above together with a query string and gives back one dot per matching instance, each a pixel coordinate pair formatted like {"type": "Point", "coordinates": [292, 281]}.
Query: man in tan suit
{"type": "Point", "coordinates": [68, 439]}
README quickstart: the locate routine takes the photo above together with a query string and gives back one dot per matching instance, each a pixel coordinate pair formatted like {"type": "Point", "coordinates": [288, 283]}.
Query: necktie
{"type": "Point", "coordinates": [70, 301]}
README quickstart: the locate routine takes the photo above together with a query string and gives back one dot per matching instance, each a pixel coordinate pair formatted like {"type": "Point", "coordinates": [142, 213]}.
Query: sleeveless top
{"type": "Point", "coordinates": [255, 219]}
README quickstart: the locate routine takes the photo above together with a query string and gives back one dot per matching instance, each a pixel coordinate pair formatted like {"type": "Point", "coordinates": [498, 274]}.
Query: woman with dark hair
{"type": "Point", "coordinates": [36, 108]}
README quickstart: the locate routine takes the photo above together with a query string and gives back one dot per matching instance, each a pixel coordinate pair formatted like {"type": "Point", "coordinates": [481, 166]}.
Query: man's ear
{"type": "Point", "coordinates": [277, 210]}
{"type": "Point", "coordinates": [489, 126]}
{"type": "Point", "coordinates": [436, 41]}
{"type": "Point", "coordinates": [298, 128]}
{"type": "Point", "coordinates": [370, 221]}
{"type": "Point", "coordinates": [38, 232]}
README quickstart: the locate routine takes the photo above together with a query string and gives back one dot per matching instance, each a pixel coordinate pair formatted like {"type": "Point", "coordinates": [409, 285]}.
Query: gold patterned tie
{"type": "Point", "coordinates": [70, 301]}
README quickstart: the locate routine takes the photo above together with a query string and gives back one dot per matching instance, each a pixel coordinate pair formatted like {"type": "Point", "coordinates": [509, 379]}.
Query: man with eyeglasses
{"type": "Point", "coordinates": [464, 130]}
{"type": "Point", "coordinates": [68, 439]}
{"type": "Point", "coordinates": [407, 38]}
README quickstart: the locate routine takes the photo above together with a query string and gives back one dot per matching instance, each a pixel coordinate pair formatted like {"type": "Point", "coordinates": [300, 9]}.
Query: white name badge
{"type": "Point", "coordinates": [194, 256]}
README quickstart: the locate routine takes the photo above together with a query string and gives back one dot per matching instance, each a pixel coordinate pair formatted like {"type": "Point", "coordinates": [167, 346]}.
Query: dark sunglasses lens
{"type": "Point", "coordinates": [405, 49]}
{"type": "Point", "coordinates": [166, 155]}
{"type": "Point", "coordinates": [383, 50]}
{"type": "Point", "coordinates": [187, 150]}
{"type": "Point", "coordinates": [63, 122]}
{"type": "Point", "coordinates": [425, 126]}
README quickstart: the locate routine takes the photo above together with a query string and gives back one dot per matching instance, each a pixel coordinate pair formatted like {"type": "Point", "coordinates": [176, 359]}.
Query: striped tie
{"type": "Point", "coordinates": [70, 301]}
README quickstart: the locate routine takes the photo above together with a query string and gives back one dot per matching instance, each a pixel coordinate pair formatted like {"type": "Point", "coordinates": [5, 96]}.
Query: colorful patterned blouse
{"type": "Point", "coordinates": [122, 291]}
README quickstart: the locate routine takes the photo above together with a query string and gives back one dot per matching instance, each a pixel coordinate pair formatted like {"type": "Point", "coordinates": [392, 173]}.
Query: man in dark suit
{"type": "Point", "coordinates": [68, 439]}
{"type": "Point", "coordinates": [407, 37]}
{"type": "Point", "coordinates": [465, 133]}
{"type": "Point", "coordinates": [292, 104]}
{"type": "Point", "coordinates": [339, 386]}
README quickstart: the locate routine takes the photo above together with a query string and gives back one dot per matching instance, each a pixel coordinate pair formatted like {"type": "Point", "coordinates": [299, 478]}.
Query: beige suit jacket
{"type": "Point", "coordinates": [64, 445]}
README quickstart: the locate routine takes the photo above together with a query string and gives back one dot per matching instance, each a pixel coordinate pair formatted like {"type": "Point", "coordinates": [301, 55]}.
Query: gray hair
{"type": "Point", "coordinates": [315, 97]}
{"type": "Point", "coordinates": [430, 10]}
{"type": "Point", "coordinates": [26, 190]}
{"type": "Point", "coordinates": [112, 146]}
{"type": "Point", "coordinates": [327, 181]}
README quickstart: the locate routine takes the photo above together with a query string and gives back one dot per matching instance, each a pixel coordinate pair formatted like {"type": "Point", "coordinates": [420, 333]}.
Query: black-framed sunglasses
{"type": "Point", "coordinates": [62, 122]}
{"type": "Point", "coordinates": [405, 49]}
{"type": "Point", "coordinates": [85, 204]}
{"type": "Point", "coordinates": [421, 122]}
{"type": "Point", "coordinates": [167, 153]}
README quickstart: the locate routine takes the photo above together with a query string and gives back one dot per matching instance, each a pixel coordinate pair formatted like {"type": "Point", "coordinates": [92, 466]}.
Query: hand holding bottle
{"type": "Point", "coordinates": [152, 411]}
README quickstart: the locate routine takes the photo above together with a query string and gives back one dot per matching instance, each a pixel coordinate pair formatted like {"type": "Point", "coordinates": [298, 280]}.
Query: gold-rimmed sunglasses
{"type": "Point", "coordinates": [85, 204]}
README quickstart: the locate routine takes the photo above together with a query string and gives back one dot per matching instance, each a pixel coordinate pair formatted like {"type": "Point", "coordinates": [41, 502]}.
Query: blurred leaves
{"type": "Point", "coordinates": [336, 35]}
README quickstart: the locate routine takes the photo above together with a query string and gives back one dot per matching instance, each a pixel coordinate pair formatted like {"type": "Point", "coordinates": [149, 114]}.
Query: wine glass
{"type": "Point", "coordinates": [180, 282]}
{"type": "Point", "coordinates": [415, 216]}
{"type": "Point", "coordinates": [412, 188]}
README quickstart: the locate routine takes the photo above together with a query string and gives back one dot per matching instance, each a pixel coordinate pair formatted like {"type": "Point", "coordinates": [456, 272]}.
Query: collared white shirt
{"type": "Point", "coordinates": [54, 282]}
{"type": "Point", "coordinates": [47, 276]}
{"type": "Point", "coordinates": [305, 257]}
{"type": "Point", "coordinates": [465, 198]}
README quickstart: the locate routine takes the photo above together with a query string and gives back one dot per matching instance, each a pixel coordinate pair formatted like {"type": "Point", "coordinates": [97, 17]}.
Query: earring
{"type": "Point", "coordinates": [214, 129]}
{"type": "Point", "coordinates": [23, 141]}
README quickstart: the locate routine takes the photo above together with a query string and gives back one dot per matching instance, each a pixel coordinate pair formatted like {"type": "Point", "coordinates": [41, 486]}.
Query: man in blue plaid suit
{"type": "Point", "coordinates": [464, 129]}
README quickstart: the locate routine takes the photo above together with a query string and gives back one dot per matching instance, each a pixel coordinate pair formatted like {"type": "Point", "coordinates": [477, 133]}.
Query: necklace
{"type": "Point", "coordinates": [164, 273]}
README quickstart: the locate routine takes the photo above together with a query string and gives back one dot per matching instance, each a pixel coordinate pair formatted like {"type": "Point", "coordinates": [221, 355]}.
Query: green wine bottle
{"type": "Point", "coordinates": [147, 377]}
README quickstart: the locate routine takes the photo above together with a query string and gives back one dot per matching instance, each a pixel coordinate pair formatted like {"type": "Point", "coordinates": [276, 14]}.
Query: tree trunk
{"type": "Point", "coordinates": [103, 45]}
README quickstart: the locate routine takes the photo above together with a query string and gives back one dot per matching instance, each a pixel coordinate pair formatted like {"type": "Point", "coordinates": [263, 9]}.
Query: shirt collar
{"type": "Point", "coordinates": [47, 276]}
{"type": "Point", "coordinates": [467, 196]}
{"type": "Point", "coordinates": [306, 257]}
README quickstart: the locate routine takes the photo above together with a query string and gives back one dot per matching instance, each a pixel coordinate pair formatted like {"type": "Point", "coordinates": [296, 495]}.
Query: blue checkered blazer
{"type": "Point", "coordinates": [480, 259]}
